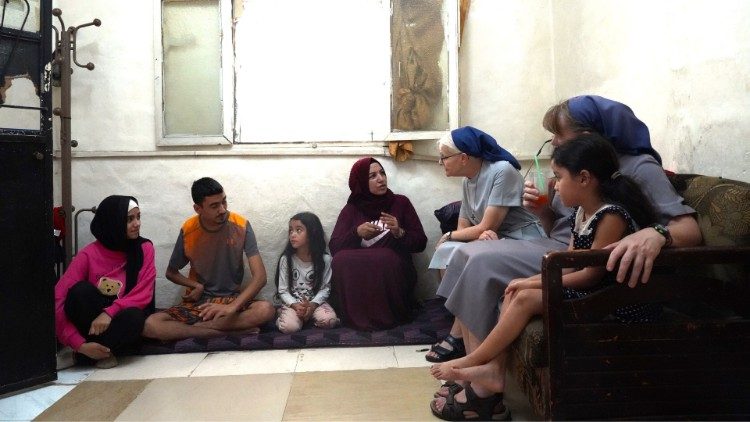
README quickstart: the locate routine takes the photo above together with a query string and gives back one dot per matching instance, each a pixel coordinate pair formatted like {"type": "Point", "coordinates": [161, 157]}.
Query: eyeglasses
{"type": "Point", "coordinates": [441, 159]}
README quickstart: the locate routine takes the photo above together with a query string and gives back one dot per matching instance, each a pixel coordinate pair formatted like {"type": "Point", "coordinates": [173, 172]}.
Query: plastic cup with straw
{"type": "Point", "coordinates": [538, 179]}
{"type": "Point", "coordinates": [540, 182]}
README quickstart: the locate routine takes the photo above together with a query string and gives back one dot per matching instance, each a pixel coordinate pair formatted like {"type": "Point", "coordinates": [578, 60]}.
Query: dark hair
{"type": "Point", "coordinates": [595, 154]}
{"type": "Point", "coordinates": [551, 120]}
{"type": "Point", "coordinates": [204, 187]}
{"type": "Point", "coordinates": [316, 240]}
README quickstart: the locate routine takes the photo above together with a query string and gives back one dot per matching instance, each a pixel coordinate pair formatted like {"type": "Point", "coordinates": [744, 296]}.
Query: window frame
{"type": "Point", "coordinates": [228, 134]}
{"type": "Point", "coordinates": [453, 41]}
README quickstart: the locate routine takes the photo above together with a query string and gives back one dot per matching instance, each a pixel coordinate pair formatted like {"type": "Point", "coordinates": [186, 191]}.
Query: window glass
{"type": "Point", "coordinates": [192, 63]}
{"type": "Point", "coordinates": [419, 66]}
{"type": "Point", "coordinates": [18, 57]}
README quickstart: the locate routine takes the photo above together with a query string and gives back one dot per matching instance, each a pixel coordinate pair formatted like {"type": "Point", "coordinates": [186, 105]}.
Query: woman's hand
{"type": "Point", "coordinates": [94, 350]}
{"type": "Point", "coordinates": [638, 252]}
{"type": "Point", "coordinates": [488, 235]}
{"type": "Point", "coordinates": [520, 284]}
{"type": "Point", "coordinates": [100, 324]}
{"type": "Point", "coordinates": [443, 239]}
{"type": "Point", "coordinates": [391, 223]}
{"type": "Point", "coordinates": [193, 294]}
{"type": "Point", "coordinates": [368, 230]}
{"type": "Point", "coordinates": [530, 196]}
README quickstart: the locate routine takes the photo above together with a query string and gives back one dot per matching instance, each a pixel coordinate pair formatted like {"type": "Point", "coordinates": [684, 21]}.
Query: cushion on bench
{"type": "Point", "coordinates": [723, 208]}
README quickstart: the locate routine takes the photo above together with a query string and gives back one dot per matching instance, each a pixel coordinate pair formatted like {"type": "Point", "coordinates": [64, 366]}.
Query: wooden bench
{"type": "Point", "coordinates": [575, 363]}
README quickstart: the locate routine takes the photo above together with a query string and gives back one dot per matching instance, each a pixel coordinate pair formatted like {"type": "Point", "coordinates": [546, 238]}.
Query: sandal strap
{"type": "Point", "coordinates": [444, 354]}
{"type": "Point", "coordinates": [483, 407]}
{"type": "Point", "coordinates": [452, 388]}
{"type": "Point", "coordinates": [441, 351]}
{"type": "Point", "coordinates": [455, 342]}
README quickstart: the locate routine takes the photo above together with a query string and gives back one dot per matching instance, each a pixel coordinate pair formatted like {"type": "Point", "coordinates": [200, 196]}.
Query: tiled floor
{"type": "Point", "coordinates": [251, 376]}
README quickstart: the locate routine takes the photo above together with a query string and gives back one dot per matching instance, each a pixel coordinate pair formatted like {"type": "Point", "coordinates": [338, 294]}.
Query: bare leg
{"type": "Point", "coordinates": [470, 340]}
{"type": "Point", "coordinates": [455, 332]}
{"type": "Point", "coordinates": [256, 315]}
{"type": "Point", "coordinates": [485, 380]}
{"type": "Point", "coordinates": [518, 311]}
{"type": "Point", "coordinates": [162, 327]}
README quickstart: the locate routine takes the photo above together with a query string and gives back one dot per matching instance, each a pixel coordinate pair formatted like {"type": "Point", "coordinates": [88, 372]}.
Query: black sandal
{"type": "Point", "coordinates": [481, 409]}
{"type": "Point", "coordinates": [453, 389]}
{"type": "Point", "coordinates": [444, 354]}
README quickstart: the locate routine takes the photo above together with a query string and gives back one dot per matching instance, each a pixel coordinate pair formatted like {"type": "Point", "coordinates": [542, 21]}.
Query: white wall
{"type": "Point", "coordinates": [507, 79]}
{"type": "Point", "coordinates": [682, 65]}
{"type": "Point", "coordinates": [113, 116]}
{"type": "Point", "coordinates": [267, 190]}
{"type": "Point", "coordinates": [684, 70]}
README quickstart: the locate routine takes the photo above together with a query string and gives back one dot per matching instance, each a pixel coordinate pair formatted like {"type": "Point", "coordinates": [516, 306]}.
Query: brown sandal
{"type": "Point", "coordinates": [478, 409]}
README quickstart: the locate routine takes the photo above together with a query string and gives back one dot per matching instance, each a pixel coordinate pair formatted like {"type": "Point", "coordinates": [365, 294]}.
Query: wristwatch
{"type": "Point", "coordinates": [664, 231]}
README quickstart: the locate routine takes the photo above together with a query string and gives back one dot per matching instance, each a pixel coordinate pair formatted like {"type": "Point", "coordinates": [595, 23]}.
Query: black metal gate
{"type": "Point", "coordinates": [27, 335]}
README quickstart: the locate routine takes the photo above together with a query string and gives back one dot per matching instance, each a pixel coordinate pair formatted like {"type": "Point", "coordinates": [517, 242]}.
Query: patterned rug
{"type": "Point", "coordinates": [432, 322]}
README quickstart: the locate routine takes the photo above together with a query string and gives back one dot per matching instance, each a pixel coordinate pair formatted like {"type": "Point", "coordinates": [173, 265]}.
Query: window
{"type": "Point", "coordinates": [195, 81]}
{"type": "Point", "coordinates": [310, 71]}
{"type": "Point", "coordinates": [20, 86]}
{"type": "Point", "coordinates": [424, 73]}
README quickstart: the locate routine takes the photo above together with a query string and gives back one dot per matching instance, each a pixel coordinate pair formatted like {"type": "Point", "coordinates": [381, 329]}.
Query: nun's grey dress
{"type": "Point", "coordinates": [479, 272]}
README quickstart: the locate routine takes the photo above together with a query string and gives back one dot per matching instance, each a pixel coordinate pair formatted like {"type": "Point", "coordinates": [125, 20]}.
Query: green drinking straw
{"type": "Point", "coordinates": [539, 176]}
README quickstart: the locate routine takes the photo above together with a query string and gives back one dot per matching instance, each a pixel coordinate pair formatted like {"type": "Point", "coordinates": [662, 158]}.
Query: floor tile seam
{"type": "Point", "coordinates": [145, 386]}
{"type": "Point", "coordinates": [395, 358]}
{"type": "Point", "coordinates": [297, 363]}
{"type": "Point", "coordinates": [288, 395]}
{"type": "Point", "coordinates": [67, 383]}
{"type": "Point", "coordinates": [190, 374]}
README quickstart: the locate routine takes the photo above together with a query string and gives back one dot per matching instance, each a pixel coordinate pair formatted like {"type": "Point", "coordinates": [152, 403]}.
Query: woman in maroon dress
{"type": "Point", "coordinates": [375, 235]}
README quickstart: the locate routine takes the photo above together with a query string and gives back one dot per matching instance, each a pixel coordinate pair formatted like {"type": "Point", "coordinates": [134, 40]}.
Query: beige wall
{"type": "Point", "coordinates": [682, 66]}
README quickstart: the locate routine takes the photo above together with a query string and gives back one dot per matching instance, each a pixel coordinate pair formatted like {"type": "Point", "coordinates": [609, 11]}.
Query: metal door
{"type": "Point", "coordinates": [27, 335]}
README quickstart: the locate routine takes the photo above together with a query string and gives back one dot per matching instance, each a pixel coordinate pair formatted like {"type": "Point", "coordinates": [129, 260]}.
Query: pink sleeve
{"type": "Point", "coordinates": [78, 270]}
{"type": "Point", "coordinates": [140, 295]}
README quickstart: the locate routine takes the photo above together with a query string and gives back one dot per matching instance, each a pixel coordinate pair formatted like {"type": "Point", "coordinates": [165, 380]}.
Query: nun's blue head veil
{"type": "Point", "coordinates": [615, 121]}
{"type": "Point", "coordinates": [476, 143]}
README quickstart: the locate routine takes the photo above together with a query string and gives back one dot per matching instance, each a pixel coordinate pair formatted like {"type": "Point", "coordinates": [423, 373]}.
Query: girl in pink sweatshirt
{"type": "Point", "coordinates": [103, 298]}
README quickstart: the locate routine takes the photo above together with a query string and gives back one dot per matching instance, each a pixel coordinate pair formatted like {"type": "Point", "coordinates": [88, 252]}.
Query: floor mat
{"type": "Point", "coordinates": [374, 395]}
{"type": "Point", "coordinates": [385, 394]}
{"type": "Point", "coordinates": [431, 323]}
{"type": "Point", "coordinates": [94, 401]}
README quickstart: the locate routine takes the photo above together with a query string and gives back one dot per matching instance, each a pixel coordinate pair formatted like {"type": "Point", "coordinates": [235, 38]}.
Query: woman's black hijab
{"type": "Point", "coordinates": [109, 227]}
